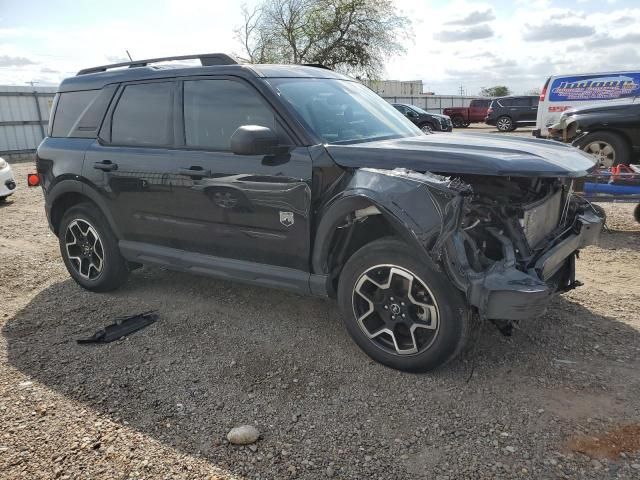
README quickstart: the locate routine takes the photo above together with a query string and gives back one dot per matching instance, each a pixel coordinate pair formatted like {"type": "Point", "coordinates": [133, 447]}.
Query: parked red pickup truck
{"type": "Point", "coordinates": [474, 113]}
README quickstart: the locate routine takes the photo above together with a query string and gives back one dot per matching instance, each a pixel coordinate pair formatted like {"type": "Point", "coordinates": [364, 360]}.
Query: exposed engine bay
{"type": "Point", "coordinates": [531, 213]}
{"type": "Point", "coordinates": [516, 242]}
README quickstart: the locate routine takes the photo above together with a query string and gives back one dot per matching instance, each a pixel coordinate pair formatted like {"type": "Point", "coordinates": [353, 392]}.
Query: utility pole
{"type": "Point", "coordinates": [35, 98]}
{"type": "Point", "coordinates": [461, 90]}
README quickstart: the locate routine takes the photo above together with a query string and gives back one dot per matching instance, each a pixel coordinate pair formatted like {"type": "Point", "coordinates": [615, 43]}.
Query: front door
{"type": "Point", "coordinates": [253, 208]}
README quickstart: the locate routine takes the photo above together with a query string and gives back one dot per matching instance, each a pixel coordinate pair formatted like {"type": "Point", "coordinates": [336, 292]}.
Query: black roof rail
{"type": "Point", "coordinates": [206, 59]}
{"type": "Point", "coordinates": [317, 65]}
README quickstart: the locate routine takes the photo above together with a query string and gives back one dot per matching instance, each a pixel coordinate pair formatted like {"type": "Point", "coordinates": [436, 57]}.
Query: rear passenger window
{"type": "Point", "coordinates": [506, 102]}
{"type": "Point", "coordinates": [70, 108]}
{"type": "Point", "coordinates": [521, 102]}
{"type": "Point", "coordinates": [143, 115]}
{"type": "Point", "coordinates": [214, 109]}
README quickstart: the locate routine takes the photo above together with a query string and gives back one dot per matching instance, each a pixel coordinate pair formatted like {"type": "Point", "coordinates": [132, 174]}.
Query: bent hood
{"type": "Point", "coordinates": [462, 153]}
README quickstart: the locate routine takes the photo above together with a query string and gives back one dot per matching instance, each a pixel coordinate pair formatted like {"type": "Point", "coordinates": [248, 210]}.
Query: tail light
{"type": "Point", "coordinates": [33, 179]}
{"type": "Point", "coordinates": [489, 111]}
{"type": "Point", "coordinates": [543, 93]}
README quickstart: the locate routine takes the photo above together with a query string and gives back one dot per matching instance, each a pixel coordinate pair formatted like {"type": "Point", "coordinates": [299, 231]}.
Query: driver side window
{"type": "Point", "coordinates": [214, 109]}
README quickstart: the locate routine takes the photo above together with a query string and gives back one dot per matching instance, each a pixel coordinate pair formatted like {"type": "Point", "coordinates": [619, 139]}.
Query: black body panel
{"type": "Point", "coordinates": [272, 220]}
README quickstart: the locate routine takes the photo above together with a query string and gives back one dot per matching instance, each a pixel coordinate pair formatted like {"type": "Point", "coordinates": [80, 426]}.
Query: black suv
{"type": "Point", "coordinates": [609, 132]}
{"type": "Point", "coordinates": [508, 113]}
{"type": "Point", "coordinates": [300, 178]}
{"type": "Point", "coordinates": [427, 122]}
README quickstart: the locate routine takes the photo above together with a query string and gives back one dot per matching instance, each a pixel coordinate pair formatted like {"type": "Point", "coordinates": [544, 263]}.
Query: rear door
{"type": "Point", "coordinates": [130, 163]}
{"type": "Point", "coordinates": [253, 208]}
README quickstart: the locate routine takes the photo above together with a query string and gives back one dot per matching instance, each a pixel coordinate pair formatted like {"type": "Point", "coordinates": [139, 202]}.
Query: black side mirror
{"type": "Point", "coordinates": [254, 140]}
{"type": "Point", "coordinates": [412, 114]}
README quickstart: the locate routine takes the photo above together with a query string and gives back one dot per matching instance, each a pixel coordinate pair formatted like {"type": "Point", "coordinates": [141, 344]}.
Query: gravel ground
{"type": "Point", "coordinates": [160, 403]}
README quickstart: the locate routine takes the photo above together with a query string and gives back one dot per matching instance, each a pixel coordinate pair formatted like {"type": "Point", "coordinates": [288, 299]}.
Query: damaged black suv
{"type": "Point", "coordinates": [300, 178]}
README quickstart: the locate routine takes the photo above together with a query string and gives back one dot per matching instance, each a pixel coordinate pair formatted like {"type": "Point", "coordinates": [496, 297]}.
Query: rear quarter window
{"type": "Point", "coordinates": [70, 107]}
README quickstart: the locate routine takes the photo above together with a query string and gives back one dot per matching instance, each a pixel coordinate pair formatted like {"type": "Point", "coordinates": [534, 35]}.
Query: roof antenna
{"type": "Point", "coordinates": [129, 55]}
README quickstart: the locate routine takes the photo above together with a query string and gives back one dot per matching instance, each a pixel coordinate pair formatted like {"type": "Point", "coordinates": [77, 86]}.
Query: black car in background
{"type": "Point", "coordinates": [509, 113]}
{"type": "Point", "coordinates": [427, 122]}
{"type": "Point", "coordinates": [611, 133]}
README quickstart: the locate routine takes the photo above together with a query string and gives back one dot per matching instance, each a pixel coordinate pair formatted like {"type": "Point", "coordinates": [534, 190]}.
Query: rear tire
{"type": "Point", "coordinates": [90, 249]}
{"type": "Point", "coordinates": [608, 148]}
{"type": "Point", "coordinates": [386, 286]}
{"type": "Point", "coordinates": [457, 121]}
{"type": "Point", "coordinates": [636, 213]}
{"type": "Point", "coordinates": [505, 124]}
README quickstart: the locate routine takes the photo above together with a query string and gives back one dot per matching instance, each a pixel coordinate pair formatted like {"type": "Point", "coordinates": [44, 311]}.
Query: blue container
{"type": "Point", "coordinates": [595, 188]}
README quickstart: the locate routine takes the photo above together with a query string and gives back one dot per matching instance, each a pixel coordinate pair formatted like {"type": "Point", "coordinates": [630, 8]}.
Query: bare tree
{"type": "Point", "coordinates": [355, 36]}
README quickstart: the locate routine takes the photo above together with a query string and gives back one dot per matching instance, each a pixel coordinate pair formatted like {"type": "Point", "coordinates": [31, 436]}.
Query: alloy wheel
{"type": "Point", "coordinates": [396, 310]}
{"type": "Point", "coordinates": [603, 152]}
{"type": "Point", "coordinates": [504, 124]}
{"type": "Point", "coordinates": [426, 128]}
{"type": "Point", "coordinates": [84, 249]}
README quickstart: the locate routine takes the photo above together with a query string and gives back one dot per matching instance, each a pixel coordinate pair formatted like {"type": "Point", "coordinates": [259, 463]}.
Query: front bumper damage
{"type": "Point", "coordinates": [504, 291]}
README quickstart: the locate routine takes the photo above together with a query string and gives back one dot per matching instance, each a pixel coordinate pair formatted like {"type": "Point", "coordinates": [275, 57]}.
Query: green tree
{"type": "Point", "coordinates": [354, 36]}
{"type": "Point", "coordinates": [497, 91]}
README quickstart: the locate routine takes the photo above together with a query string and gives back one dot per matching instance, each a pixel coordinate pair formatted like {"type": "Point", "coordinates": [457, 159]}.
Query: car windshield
{"type": "Point", "coordinates": [343, 111]}
{"type": "Point", "coordinates": [418, 109]}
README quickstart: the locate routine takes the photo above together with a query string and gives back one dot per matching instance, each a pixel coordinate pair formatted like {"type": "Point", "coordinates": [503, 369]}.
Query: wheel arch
{"type": "Point", "coordinates": [69, 193]}
{"type": "Point", "coordinates": [339, 233]}
{"type": "Point", "coordinates": [606, 129]}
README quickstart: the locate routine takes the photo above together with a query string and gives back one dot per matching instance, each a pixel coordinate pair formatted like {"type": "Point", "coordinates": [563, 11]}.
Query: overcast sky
{"type": "Point", "coordinates": [517, 43]}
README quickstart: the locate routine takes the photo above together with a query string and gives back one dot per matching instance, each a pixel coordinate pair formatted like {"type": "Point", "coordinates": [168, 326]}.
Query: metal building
{"type": "Point", "coordinates": [432, 103]}
{"type": "Point", "coordinates": [24, 118]}
{"type": "Point", "coordinates": [411, 92]}
{"type": "Point", "coordinates": [392, 88]}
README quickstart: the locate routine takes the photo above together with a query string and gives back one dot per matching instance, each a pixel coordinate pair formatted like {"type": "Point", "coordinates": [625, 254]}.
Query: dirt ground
{"type": "Point", "coordinates": [160, 403]}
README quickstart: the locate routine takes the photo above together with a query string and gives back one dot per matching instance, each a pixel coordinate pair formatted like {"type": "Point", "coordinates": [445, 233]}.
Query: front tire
{"type": "Point", "coordinates": [608, 148]}
{"type": "Point", "coordinates": [400, 310]}
{"type": "Point", "coordinates": [90, 249]}
{"type": "Point", "coordinates": [426, 128]}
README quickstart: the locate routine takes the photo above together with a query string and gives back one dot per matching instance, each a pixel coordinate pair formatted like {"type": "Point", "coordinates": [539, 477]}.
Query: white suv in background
{"type": "Point", "coordinates": [7, 182]}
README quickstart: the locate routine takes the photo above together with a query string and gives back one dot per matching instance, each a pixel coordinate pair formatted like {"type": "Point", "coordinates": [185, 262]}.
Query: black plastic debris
{"type": "Point", "coordinates": [123, 326]}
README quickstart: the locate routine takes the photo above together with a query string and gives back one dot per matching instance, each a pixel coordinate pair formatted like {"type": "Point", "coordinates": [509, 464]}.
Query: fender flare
{"type": "Point", "coordinates": [66, 186]}
{"type": "Point", "coordinates": [334, 215]}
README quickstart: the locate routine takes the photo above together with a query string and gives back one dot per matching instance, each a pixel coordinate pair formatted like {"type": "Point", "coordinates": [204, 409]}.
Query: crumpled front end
{"type": "Point", "coordinates": [514, 242]}
{"type": "Point", "coordinates": [566, 129]}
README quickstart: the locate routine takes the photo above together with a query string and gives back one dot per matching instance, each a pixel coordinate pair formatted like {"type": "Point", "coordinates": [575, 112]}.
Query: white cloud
{"type": "Point", "coordinates": [475, 32]}
{"type": "Point", "coordinates": [462, 42]}
{"type": "Point", "coordinates": [556, 31]}
{"type": "Point", "coordinates": [475, 17]}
